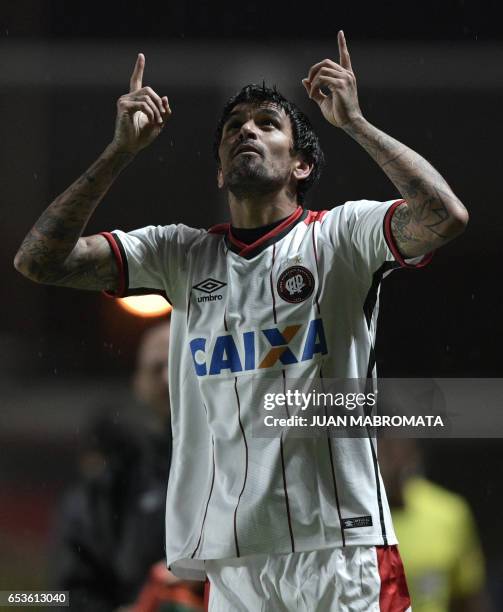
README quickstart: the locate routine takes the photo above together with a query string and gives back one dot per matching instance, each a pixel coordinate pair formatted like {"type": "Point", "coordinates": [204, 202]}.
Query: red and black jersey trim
{"type": "Point", "coordinates": [220, 228]}
{"type": "Point", "coordinates": [371, 298]}
{"type": "Point", "coordinates": [121, 259]}
{"type": "Point", "coordinates": [248, 251]}
{"type": "Point", "coordinates": [390, 240]}
{"type": "Point", "coordinates": [368, 309]}
{"type": "Point", "coordinates": [314, 215]}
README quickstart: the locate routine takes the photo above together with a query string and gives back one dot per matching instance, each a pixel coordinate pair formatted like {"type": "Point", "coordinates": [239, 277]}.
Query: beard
{"type": "Point", "coordinates": [249, 177]}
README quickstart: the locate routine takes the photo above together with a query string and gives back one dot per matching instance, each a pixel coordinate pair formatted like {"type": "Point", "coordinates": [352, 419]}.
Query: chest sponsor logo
{"type": "Point", "coordinates": [241, 352]}
{"type": "Point", "coordinates": [295, 284]}
{"type": "Point", "coordinates": [209, 287]}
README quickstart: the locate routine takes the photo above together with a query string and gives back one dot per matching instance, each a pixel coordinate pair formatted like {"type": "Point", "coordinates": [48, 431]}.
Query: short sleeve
{"type": "Point", "coordinates": [152, 259]}
{"type": "Point", "coordinates": [361, 231]}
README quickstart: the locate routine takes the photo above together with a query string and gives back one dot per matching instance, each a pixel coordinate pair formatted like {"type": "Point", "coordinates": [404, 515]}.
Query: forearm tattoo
{"type": "Point", "coordinates": [52, 253]}
{"type": "Point", "coordinates": [426, 221]}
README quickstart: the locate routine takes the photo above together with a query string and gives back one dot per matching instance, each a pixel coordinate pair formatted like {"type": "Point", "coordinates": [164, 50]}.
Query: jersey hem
{"type": "Point", "coordinates": [193, 569]}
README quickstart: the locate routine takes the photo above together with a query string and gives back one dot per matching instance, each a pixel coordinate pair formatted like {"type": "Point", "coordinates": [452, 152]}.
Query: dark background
{"type": "Point", "coordinates": [430, 74]}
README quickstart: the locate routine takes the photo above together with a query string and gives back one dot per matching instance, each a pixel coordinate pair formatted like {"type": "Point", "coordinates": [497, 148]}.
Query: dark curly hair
{"type": "Point", "coordinates": [305, 141]}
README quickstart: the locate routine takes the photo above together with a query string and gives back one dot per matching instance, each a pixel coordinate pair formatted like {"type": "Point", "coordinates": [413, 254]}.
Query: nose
{"type": "Point", "coordinates": [248, 130]}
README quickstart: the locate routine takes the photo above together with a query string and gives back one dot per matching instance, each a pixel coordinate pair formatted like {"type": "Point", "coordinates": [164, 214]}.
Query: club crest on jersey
{"type": "Point", "coordinates": [209, 286]}
{"type": "Point", "coordinates": [238, 353]}
{"type": "Point", "coordinates": [295, 284]}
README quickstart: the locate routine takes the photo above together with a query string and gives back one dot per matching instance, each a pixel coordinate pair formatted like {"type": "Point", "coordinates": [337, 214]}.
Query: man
{"type": "Point", "coordinates": [438, 536]}
{"type": "Point", "coordinates": [274, 523]}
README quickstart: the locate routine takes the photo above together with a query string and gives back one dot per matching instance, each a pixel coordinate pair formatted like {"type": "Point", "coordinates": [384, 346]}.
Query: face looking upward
{"type": "Point", "coordinates": [256, 152]}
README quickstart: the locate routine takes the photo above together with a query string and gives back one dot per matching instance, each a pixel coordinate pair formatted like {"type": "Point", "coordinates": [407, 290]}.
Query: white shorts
{"type": "Point", "coordinates": [350, 579]}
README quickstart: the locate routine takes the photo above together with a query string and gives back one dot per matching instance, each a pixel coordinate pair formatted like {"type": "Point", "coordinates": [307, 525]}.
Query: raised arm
{"type": "Point", "coordinates": [432, 215]}
{"type": "Point", "coordinates": [53, 251]}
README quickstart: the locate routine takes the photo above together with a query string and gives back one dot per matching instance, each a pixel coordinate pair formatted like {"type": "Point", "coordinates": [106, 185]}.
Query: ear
{"type": "Point", "coordinates": [220, 178]}
{"type": "Point", "coordinates": [302, 169]}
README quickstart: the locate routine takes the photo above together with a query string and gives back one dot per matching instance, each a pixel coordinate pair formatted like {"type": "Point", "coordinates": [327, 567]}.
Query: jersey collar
{"type": "Point", "coordinates": [248, 251]}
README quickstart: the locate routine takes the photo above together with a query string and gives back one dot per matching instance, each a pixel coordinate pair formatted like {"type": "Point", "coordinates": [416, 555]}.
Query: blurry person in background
{"type": "Point", "coordinates": [438, 538]}
{"type": "Point", "coordinates": [109, 549]}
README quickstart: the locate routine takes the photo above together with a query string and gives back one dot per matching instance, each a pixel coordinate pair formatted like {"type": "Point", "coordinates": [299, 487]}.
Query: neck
{"type": "Point", "coordinates": [256, 211]}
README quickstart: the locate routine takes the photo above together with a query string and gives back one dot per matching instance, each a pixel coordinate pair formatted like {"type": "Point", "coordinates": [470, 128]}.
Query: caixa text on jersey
{"type": "Point", "coordinates": [251, 350]}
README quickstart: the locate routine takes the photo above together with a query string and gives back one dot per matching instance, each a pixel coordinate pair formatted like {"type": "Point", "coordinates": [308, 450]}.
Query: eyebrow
{"type": "Point", "coordinates": [265, 109]}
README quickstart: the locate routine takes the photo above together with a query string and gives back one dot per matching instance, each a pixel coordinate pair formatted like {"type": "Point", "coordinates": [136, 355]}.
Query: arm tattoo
{"type": "Point", "coordinates": [400, 223]}
{"type": "Point", "coordinates": [428, 219]}
{"type": "Point", "coordinates": [91, 268]}
{"type": "Point", "coordinates": [53, 251]}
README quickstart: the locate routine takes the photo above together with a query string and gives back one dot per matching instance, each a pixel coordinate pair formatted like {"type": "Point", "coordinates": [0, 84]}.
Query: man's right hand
{"type": "Point", "coordinates": [54, 251]}
{"type": "Point", "coordinates": [141, 114]}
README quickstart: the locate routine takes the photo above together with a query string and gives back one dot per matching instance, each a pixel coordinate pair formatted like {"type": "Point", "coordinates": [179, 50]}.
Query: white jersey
{"type": "Point", "coordinates": [299, 302]}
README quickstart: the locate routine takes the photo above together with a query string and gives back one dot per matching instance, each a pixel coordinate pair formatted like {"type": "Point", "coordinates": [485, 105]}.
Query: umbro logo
{"type": "Point", "coordinates": [209, 286]}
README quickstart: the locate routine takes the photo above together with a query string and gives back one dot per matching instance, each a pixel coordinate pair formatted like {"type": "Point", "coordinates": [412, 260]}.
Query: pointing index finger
{"type": "Point", "coordinates": [344, 59]}
{"type": "Point", "coordinates": [137, 76]}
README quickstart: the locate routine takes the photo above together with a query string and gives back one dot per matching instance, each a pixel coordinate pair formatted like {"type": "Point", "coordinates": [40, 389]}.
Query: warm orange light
{"type": "Point", "coordinates": [145, 305]}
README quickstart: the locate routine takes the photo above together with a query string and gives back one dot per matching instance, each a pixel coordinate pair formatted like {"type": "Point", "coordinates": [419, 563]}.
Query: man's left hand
{"type": "Point", "coordinates": [333, 87]}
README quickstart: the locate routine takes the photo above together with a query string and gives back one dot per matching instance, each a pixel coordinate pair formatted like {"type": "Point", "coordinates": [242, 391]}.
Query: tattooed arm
{"type": "Point", "coordinates": [54, 252]}
{"type": "Point", "coordinates": [432, 215]}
